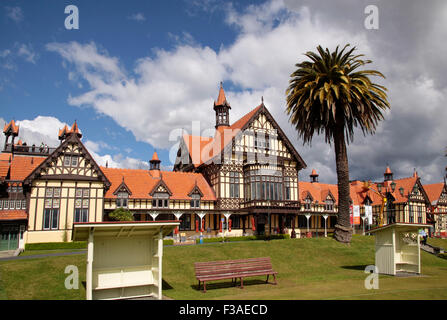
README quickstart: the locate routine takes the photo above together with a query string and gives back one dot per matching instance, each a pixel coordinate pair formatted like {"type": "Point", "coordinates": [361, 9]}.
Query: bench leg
{"type": "Point", "coordinates": [274, 277]}
{"type": "Point", "coordinates": [267, 281]}
{"type": "Point", "coordinates": [204, 286]}
{"type": "Point", "coordinates": [242, 283]}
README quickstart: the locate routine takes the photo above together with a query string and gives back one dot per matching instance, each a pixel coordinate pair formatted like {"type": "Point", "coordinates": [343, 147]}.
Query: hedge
{"type": "Point", "coordinates": [56, 245]}
{"type": "Point", "coordinates": [245, 238]}
{"type": "Point", "coordinates": [69, 245]}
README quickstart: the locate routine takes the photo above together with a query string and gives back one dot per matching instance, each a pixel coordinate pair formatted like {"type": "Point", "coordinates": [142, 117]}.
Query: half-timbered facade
{"type": "Point", "coordinates": [437, 194]}
{"type": "Point", "coordinates": [67, 187]}
{"type": "Point", "coordinates": [251, 166]}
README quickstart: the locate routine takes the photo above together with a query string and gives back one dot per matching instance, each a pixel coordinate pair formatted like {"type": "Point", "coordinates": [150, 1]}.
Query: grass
{"type": "Point", "coordinates": [437, 242]}
{"type": "Point", "coordinates": [308, 269]}
{"type": "Point", "coordinates": [39, 252]}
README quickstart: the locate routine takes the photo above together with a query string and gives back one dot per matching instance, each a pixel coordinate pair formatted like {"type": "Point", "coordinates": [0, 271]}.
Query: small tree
{"type": "Point", "coordinates": [121, 214]}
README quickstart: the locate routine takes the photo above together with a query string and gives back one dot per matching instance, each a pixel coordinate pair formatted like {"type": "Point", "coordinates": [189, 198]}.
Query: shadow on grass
{"type": "Point", "coordinates": [228, 284]}
{"type": "Point", "coordinates": [165, 285]}
{"type": "Point", "coordinates": [359, 267]}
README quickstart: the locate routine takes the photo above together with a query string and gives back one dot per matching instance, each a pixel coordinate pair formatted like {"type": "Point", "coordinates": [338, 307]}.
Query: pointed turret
{"type": "Point", "coordinates": [222, 108]}
{"type": "Point", "coordinates": [155, 162]}
{"type": "Point", "coordinates": [314, 176]}
{"type": "Point", "coordinates": [388, 175]}
{"type": "Point", "coordinates": [75, 129]}
{"type": "Point", "coordinates": [10, 130]}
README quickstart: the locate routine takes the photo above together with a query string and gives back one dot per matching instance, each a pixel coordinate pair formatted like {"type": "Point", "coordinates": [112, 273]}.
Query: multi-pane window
{"type": "Point", "coordinates": [71, 161]}
{"type": "Point", "coordinates": [51, 208]}
{"type": "Point", "coordinates": [160, 200]}
{"type": "Point", "coordinates": [307, 203]}
{"type": "Point", "coordinates": [195, 201]}
{"type": "Point", "coordinates": [419, 214]}
{"type": "Point", "coordinates": [411, 214]}
{"type": "Point", "coordinates": [185, 222]}
{"type": "Point", "coordinates": [122, 199]}
{"type": "Point", "coordinates": [235, 222]}
{"type": "Point", "coordinates": [234, 184]}
{"type": "Point", "coordinates": [82, 205]}
{"type": "Point", "coordinates": [329, 205]}
{"type": "Point", "coordinates": [264, 185]}
{"type": "Point", "coordinates": [287, 188]}
{"type": "Point", "coordinates": [262, 142]}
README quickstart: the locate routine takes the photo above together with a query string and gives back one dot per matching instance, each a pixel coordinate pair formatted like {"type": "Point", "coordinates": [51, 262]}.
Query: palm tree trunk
{"type": "Point", "coordinates": [343, 231]}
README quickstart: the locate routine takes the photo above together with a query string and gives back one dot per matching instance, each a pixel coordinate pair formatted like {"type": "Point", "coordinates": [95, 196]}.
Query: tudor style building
{"type": "Point", "coordinates": [437, 194]}
{"type": "Point", "coordinates": [245, 176]}
{"type": "Point", "coordinates": [251, 166]}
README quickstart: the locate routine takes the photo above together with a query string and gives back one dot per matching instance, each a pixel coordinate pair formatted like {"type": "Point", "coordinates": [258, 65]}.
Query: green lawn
{"type": "Point", "coordinates": [308, 269]}
{"type": "Point", "coordinates": [438, 242]}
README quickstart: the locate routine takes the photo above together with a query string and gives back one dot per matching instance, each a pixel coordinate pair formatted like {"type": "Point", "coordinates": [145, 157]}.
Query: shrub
{"type": "Point", "coordinates": [121, 214]}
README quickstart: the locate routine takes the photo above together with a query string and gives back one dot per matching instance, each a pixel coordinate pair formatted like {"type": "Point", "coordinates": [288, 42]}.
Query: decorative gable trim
{"type": "Point", "coordinates": [162, 184]}
{"type": "Point", "coordinates": [59, 151]}
{"type": "Point", "coordinates": [194, 190]}
{"type": "Point", "coordinates": [263, 110]}
{"type": "Point", "coordinates": [122, 188]}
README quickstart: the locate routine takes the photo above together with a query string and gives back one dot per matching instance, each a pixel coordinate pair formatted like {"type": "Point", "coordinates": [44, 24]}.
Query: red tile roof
{"type": "Point", "coordinates": [4, 169]}
{"type": "Point", "coordinates": [22, 166]}
{"type": "Point", "coordinates": [318, 191]}
{"type": "Point", "coordinates": [203, 149]}
{"type": "Point", "coordinates": [13, 215]}
{"type": "Point", "coordinates": [434, 191]}
{"type": "Point", "coordinates": [141, 182]}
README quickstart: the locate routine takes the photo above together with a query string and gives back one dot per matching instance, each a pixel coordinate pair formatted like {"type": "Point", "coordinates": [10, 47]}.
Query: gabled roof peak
{"type": "Point", "coordinates": [221, 99]}
{"type": "Point", "coordinates": [12, 128]}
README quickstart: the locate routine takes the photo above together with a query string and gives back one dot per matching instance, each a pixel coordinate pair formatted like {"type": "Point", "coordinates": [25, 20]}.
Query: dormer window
{"type": "Point", "coordinates": [329, 205]}
{"type": "Point", "coordinates": [195, 201]}
{"type": "Point", "coordinates": [160, 200]}
{"type": "Point", "coordinates": [307, 204]}
{"type": "Point", "coordinates": [122, 199]}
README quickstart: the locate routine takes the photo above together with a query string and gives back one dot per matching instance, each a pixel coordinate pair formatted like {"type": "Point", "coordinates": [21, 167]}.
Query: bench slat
{"type": "Point", "coordinates": [233, 269]}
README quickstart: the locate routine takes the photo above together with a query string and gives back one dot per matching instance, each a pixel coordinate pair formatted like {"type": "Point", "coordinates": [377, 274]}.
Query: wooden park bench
{"type": "Point", "coordinates": [233, 269]}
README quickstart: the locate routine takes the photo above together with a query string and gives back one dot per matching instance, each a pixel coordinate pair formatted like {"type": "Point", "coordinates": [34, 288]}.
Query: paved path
{"type": "Point", "coordinates": [44, 255]}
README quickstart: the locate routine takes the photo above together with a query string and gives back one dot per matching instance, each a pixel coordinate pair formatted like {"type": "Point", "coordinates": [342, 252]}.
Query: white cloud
{"type": "Point", "coordinates": [14, 13]}
{"type": "Point", "coordinates": [139, 17]}
{"type": "Point", "coordinates": [43, 129]}
{"type": "Point", "coordinates": [27, 52]}
{"type": "Point", "coordinates": [173, 88]}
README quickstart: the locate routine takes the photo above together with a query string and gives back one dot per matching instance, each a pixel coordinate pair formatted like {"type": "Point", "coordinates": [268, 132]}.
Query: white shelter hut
{"type": "Point", "coordinates": [398, 248]}
{"type": "Point", "coordinates": [124, 259]}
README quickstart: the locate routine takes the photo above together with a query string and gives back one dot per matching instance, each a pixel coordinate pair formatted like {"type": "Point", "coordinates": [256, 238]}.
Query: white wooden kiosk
{"type": "Point", "coordinates": [124, 259]}
{"type": "Point", "coordinates": [398, 248]}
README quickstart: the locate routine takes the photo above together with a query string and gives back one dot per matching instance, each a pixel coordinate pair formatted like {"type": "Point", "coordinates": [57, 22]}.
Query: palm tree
{"type": "Point", "coordinates": [329, 95]}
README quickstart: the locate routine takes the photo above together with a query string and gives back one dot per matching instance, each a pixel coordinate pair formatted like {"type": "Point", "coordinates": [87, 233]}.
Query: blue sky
{"type": "Point", "coordinates": [136, 71]}
{"type": "Point", "coordinates": [41, 87]}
